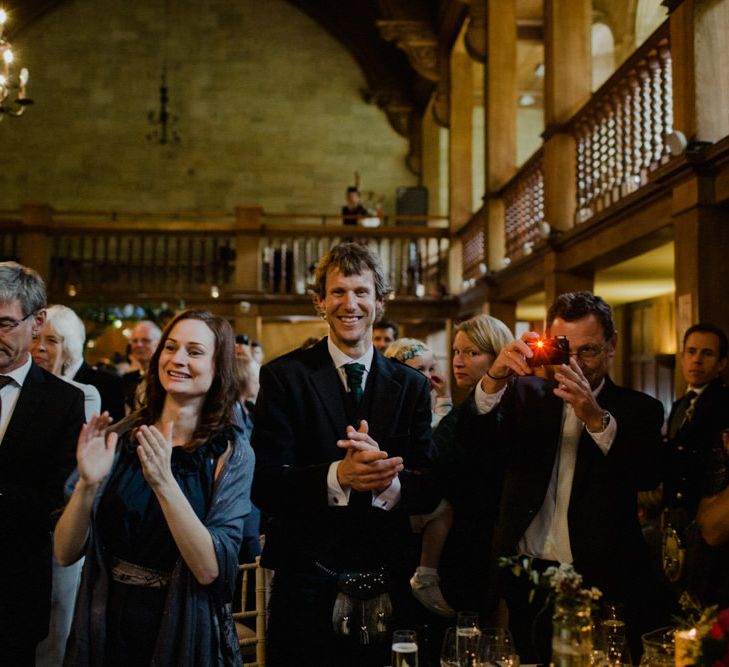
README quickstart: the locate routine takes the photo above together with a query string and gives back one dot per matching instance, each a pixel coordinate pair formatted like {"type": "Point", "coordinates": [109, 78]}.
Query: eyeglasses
{"type": "Point", "coordinates": [587, 352]}
{"type": "Point", "coordinates": [7, 324]}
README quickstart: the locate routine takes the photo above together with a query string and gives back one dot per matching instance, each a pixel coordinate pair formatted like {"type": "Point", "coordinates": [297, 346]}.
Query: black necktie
{"type": "Point", "coordinates": [355, 373]}
{"type": "Point", "coordinates": [4, 379]}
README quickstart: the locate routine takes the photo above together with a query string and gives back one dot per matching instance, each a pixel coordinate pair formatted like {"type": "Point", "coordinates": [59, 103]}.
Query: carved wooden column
{"type": "Point", "coordinates": [500, 101]}
{"type": "Point", "coordinates": [431, 177]}
{"type": "Point", "coordinates": [701, 233]}
{"type": "Point", "coordinates": [701, 272]}
{"type": "Point", "coordinates": [34, 244]}
{"type": "Point", "coordinates": [461, 137]}
{"type": "Point", "coordinates": [558, 281]}
{"type": "Point", "coordinates": [567, 83]}
{"type": "Point", "coordinates": [247, 279]}
{"type": "Point", "coordinates": [503, 310]}
{"type": "Point", "coordinates": [683, 62]}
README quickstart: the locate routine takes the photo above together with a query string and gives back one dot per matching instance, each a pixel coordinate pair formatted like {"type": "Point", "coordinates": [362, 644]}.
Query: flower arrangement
{"type": "Point", "coordinates": [710, 629]}
{"type": "Point", "coordinates": [715, 644]}
{"type": "Point", "coordinates": [561, 584]}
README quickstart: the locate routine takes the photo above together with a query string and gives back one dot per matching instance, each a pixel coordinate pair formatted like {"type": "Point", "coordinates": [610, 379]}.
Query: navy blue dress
{"type": "Point", "coordinates": [133, 528]}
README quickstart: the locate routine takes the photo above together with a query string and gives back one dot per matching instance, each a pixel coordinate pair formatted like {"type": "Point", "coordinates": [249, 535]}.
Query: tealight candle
{"type": "Point", "coordinates": [685, 646]}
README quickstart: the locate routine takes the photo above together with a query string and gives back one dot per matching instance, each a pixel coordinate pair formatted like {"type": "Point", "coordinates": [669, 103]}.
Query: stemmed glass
{"type": "Point", "coordinates": [612, 641]}
{"type": "Point", "coordinates": [468, 636]}
{"type": "Point", "coordinates": [449, 653]}
{"type": "Point", "coordinates": [488, 647]}
{"type": "Point", "coordinates": [497, 648]}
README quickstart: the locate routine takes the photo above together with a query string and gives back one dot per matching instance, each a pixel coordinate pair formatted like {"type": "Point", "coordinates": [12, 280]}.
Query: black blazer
{"type": "Point", "coordinates": [605, 536]}
{"type": "Point", "coordinates": [685, 455]}
{"type": "Point", "coordinates": [37, 454]}
{"type": "Point", "coordinates": [110, 389]}
{"type": "Point", "coordinates": [301, 412]}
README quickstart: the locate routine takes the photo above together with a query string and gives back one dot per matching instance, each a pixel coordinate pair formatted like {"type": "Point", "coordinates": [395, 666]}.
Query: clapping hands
{"type": "Point", "coordinates": [155, 454]}
{"type": "Point", "coordinates": [95, 449]}
{"type": "Point", "coordinates": [365, 467]}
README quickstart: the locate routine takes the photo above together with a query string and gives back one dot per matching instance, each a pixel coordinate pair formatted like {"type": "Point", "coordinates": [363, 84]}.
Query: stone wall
{"type": "Point", "coordinates": [268, 111]}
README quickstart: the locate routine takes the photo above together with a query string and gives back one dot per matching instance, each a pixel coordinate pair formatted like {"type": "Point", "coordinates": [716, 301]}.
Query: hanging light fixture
{"type": "Point", "coordinates": [164, 131]}
{"type": "Point", "coordinates": [8, 85]}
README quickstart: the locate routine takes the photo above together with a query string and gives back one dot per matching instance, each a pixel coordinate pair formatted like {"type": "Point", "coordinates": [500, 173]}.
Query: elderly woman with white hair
{"type": "Point", "coordinates": [58, 349]}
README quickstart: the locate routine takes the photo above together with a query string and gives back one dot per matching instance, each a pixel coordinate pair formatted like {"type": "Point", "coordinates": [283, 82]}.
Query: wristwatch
{"type": "Point", "coordinates": [603, 424]}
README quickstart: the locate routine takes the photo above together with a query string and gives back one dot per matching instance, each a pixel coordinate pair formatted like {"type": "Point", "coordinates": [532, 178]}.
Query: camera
{"type": "Point", "coordinates": [549, 352]}
{"type": "Point", "coordinates": [242, 339]}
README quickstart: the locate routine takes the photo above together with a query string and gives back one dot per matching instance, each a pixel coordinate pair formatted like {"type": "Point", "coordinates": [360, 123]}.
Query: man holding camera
{"type": "Point", "coordinates": [579, 449]}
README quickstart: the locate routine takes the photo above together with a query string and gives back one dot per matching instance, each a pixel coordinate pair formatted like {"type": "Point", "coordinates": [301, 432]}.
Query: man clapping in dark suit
{"type": "Point", "coordinates": [40, 418]}
{"type": "Point", "coordinates": [340, 435]}
{"type": "Point", "coordinates": [579, 449]}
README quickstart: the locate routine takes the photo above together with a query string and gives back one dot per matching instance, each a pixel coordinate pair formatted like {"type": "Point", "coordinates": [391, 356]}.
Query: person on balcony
{"type": "Point", "coordinates": [158, 512]}
{"type": "Point", "coordinates": [144, 340]}
{"type": "Point", "coordinates": [353, 211]}
{"type": "Point", "coordinates": [340, 433]}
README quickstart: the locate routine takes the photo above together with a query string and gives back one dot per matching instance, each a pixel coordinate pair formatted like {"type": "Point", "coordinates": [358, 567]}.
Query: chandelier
{"type": "Point", "coordinates": [164, 131]}
{"type": "Point", "coordinates": [164, 123]}
{"type": "Point", "coordinates": [9, 87]}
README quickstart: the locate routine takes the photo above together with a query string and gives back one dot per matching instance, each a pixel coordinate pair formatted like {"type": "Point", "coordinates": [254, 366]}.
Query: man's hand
{"type": "Point", "coordinates": [510, 361]}
{"type": "Point", "coordinates": [365, 467]}
{"type": "Point", "coordinates": [575, 389]}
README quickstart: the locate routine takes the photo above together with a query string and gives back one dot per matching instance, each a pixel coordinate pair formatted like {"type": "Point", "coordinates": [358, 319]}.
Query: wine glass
{"type": "Point", "coordinates": [449, 652]}
{"type": "Point", "coordinates": [404, 648]}
{"type": "Point", "coordinates": [612, 639]}
{"type": "Point", "coordinates": [497, 647]}
{"type": "Point", "coordinates": [467, 636]}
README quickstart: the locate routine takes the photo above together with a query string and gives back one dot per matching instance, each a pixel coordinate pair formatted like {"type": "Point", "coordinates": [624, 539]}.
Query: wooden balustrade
{"type": "Point", "coordinates": [473, 237]}
{"type": "Point", "coordinates": [523, 199]}
{"type": "Point", "coordinates": [143, 261]}
{"type": "Point", "coordinates": [98, 255]}
{"type": "Point", "coordinates": [415, 258]}
{"type": "Point", "coordinates": [620, 133]}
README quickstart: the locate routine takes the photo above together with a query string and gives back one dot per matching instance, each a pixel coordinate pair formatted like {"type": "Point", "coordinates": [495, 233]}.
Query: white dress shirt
{"type": "Point", "coordinates": [547, 536]}
{"type": "Point", "coordinates": [10, 393]}
{"type": "Point", "coordinates": [337, 495]}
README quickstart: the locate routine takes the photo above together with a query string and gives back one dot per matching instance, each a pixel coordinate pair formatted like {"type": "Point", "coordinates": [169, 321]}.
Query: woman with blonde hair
{"type": "Point", "coordinates": [469, 467]}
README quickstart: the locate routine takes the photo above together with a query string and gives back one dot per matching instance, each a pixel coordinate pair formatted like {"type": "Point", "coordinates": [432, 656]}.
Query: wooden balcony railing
{"type": "Point", "coordinates": [97, 255]}
{"type": "Point", "coordinates": [523, 198]}
{"type": "Point", "coordinates": [415, 257]}
{"type": "Point", "coordinates": [619, 134]}
{"type": "Point", "coordinates": [473, 238]}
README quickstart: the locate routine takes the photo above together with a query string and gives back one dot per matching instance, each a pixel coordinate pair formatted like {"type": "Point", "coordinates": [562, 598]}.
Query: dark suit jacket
{"type": "Point", "coordinates": [685, 455]}
{"type": "Point", "coordinates": [37, 454]}
{"type": "Point", "coordinates": [110, 388]}
{"type": "Point", "coordinates": [605, 537]}
{"type": "Point", "coordinates": [300, 414]}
